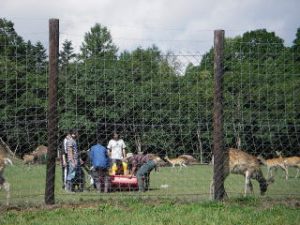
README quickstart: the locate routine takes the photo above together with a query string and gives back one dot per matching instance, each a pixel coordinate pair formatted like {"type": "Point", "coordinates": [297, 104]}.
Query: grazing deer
{"type": "Point", "coordinates": [293, 161]}
{"type": "Point", "coordinates": [274, 163]}
{"type": "Point", "coordinates": [176, 161]}
{"type": "Point", "coordinates": [3, 183]}
{"type": "Point", "coordinates": [240, 162]}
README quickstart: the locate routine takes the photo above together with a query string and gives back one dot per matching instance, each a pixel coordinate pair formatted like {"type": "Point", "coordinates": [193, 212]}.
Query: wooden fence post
{"type": "Point", "coordinates": [52, 110]}
{"type": "Point", "coordinates": [218, 133]}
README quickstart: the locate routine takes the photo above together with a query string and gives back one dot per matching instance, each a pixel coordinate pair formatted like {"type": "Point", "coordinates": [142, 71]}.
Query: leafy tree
{"type": "Point", "coordinates": [98, 42]}
{"type": "Point", "coordinates": [296, 46]}
{"type": "Point", "coordinates": [24, 75]}
{"type": "Point", "coordinates": [67, 54]}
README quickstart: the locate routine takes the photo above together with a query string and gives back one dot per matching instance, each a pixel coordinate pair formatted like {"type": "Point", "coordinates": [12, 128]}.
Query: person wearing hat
{"type": "Point", "coordinates": [142, 165]}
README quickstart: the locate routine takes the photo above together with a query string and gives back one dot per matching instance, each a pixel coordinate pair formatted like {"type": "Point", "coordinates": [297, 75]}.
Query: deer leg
{"type": "Point", "coordinates": [286, 172]}
{"type": "Point", "coordinates": [268, 172]}
{"type": "Point", "coordinates": [251, 187]}
{"type": "Point", "coordinates": [271, 172]}
{"type": "Point", "coordinates": [247, 183]}
{"type": "Point", "coordinates": [6, 187]}
{"type": "Point", "coordinates": [184, 165]}
{"type": "Point", "coordinates": [298, 170]}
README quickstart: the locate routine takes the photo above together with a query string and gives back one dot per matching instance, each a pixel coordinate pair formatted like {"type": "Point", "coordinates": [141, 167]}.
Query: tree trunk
{"type": "Point", "coordinates": [138, 143]}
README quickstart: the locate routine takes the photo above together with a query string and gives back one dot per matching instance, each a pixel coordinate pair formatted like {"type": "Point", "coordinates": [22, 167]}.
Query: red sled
{"type": "Point", "coordinates": [123, 183]}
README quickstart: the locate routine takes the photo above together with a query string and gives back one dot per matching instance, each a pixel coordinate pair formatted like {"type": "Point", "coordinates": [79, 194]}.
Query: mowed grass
{"type": "Point", "coordinates": [176, 197]}
{"type": "Point", "coordinates": [191, 183]}
{"type": "Point", "coordinates": [136, 212]}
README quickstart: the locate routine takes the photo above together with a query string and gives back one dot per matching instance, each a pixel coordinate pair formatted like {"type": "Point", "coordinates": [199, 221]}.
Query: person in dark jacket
{"type": "Point", "coordinates": [142, 165]}
{"type": "Point", "coordinates": [100, 166]}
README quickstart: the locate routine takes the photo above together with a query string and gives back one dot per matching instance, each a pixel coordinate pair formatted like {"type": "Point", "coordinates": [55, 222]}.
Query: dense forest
{"type": "Point", "coordinates": [143, 95]}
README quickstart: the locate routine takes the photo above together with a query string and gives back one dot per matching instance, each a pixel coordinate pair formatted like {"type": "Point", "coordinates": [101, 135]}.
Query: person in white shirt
{"type": "Point", "coordinates": [116, 147]}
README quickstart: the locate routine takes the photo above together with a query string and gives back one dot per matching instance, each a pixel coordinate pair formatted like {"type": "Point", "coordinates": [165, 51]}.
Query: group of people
{"type": "Point", "coordinates": [102, 159]}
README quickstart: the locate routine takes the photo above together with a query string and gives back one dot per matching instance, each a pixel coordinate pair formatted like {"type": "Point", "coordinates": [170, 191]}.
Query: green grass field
{"type": "Point", "coordinates": [136, 211]}
{"type": "Point", "coordinates": [184, 201]}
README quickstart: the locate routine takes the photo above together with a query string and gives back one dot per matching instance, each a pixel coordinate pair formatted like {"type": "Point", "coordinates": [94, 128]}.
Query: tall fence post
{"type": "Point", "coordinates": [52, 110]}
{"type": "Point", "coordinates": [218, 134]}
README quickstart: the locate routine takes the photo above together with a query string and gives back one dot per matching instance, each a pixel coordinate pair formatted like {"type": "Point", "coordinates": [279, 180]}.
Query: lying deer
{"type": "Point", "coordinates": [176, 161]}
{"type": "Point", "coordinates": [293, 161]}
{"type": "Point", "coordinates": [240, 162]}
{"type": "Point", "coordinates": [274, 163]}
{"type": "Point", "coordinates": [3, 183]}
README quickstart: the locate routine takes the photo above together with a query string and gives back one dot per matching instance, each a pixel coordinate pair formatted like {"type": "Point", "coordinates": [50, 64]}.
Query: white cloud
{"type": "Point", "coordinates": [179, 25]}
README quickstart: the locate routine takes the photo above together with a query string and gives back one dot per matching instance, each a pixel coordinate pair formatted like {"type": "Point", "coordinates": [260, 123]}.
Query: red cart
{"type": "Point", "coordinates": [123, 183]}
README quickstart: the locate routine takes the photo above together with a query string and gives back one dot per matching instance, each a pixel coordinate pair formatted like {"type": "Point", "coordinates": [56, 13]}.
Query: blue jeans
{"type": "Point", "coordinates": [71, 172]}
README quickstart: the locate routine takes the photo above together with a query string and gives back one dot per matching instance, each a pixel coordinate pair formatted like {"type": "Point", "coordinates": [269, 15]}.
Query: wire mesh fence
{"type": "Point", "coordinates": [160, 103]}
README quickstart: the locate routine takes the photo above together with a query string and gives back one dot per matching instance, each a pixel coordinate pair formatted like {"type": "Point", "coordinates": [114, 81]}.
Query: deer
{"type": "Point", "coordinates": [188, 159]}
{"type": "Point", "coordinates": [3, 183]}
{"type": "Point", "coordinates": [240, 162]}
{"type": "Point", "coordinates": [274, 163]}
{"type": "Point", "coordinates": [176, 161]}
{"type": "Point", "coordinates": [293, 161]}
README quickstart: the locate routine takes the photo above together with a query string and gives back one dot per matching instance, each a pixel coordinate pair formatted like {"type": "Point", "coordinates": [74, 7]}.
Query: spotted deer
{"type": "Point", "coordinates": [240, 162]}
{"type": "Point", "coordinates": [176, 161]}
{"type": "Point", "coordinates": [274, 163]}
{"type": "Point", "coordinates": [188, 159]}
{"type": "Point", "coordinates": [293, 161]}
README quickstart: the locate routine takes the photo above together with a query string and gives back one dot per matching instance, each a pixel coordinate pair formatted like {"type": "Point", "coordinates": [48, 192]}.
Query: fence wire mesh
{"type": "Point", "coordinates": [159, 102]}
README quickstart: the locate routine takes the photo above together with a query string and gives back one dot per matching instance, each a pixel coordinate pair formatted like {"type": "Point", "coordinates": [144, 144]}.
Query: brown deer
{"type": "Point", "coordinates": [38, 155]}
{"type": "Point", "coordinates": [293, 161]}
{"type": "Point", "coordinates": [176, 161]}
{"type": "Point", "coordinates": [189, 159]}
{"type": "Point", "coordinates": [240, 162]}
{"type": "Point", "coordinates": [274, 163]}
{"type": "Point", "coordinates": [3, 183]}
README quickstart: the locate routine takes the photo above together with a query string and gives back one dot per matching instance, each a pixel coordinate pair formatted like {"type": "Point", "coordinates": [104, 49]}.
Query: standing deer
{"type": "Point", "coordinates": [293, 161]}
{"type": "Point", "coordinates": [176, 161]}
{"type": "Point", "coordinates": [240, 162]}
{"type": "Point", "coordinates": [274, 163]}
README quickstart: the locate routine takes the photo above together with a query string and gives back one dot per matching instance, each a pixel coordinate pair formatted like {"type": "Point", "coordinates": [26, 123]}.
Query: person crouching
{"type": "Point", "coordinates": [142, 165]}
{"type": "Point", "coordinates": [100, 164]}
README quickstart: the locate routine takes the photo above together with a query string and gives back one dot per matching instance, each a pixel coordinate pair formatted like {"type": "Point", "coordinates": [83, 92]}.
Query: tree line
{"type": "Point", "coordinates": [142, 95]}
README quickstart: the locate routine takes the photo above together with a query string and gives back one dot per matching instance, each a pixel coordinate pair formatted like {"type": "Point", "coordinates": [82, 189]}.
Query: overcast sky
{"type": "Point", "coordinates": [176, 25]}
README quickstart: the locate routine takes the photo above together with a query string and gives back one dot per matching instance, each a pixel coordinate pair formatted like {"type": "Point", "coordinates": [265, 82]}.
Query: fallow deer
{"type": "Point", "coordinates": [274, 163]}
{"type": "Point", "coordinates": [188, 159]}
{"type": "Point", "coordinates": [240, 162]}
{"type": "Point", "coordinates": [293, 161]}
{"type": "Point", "coordinates": [176, 161]}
